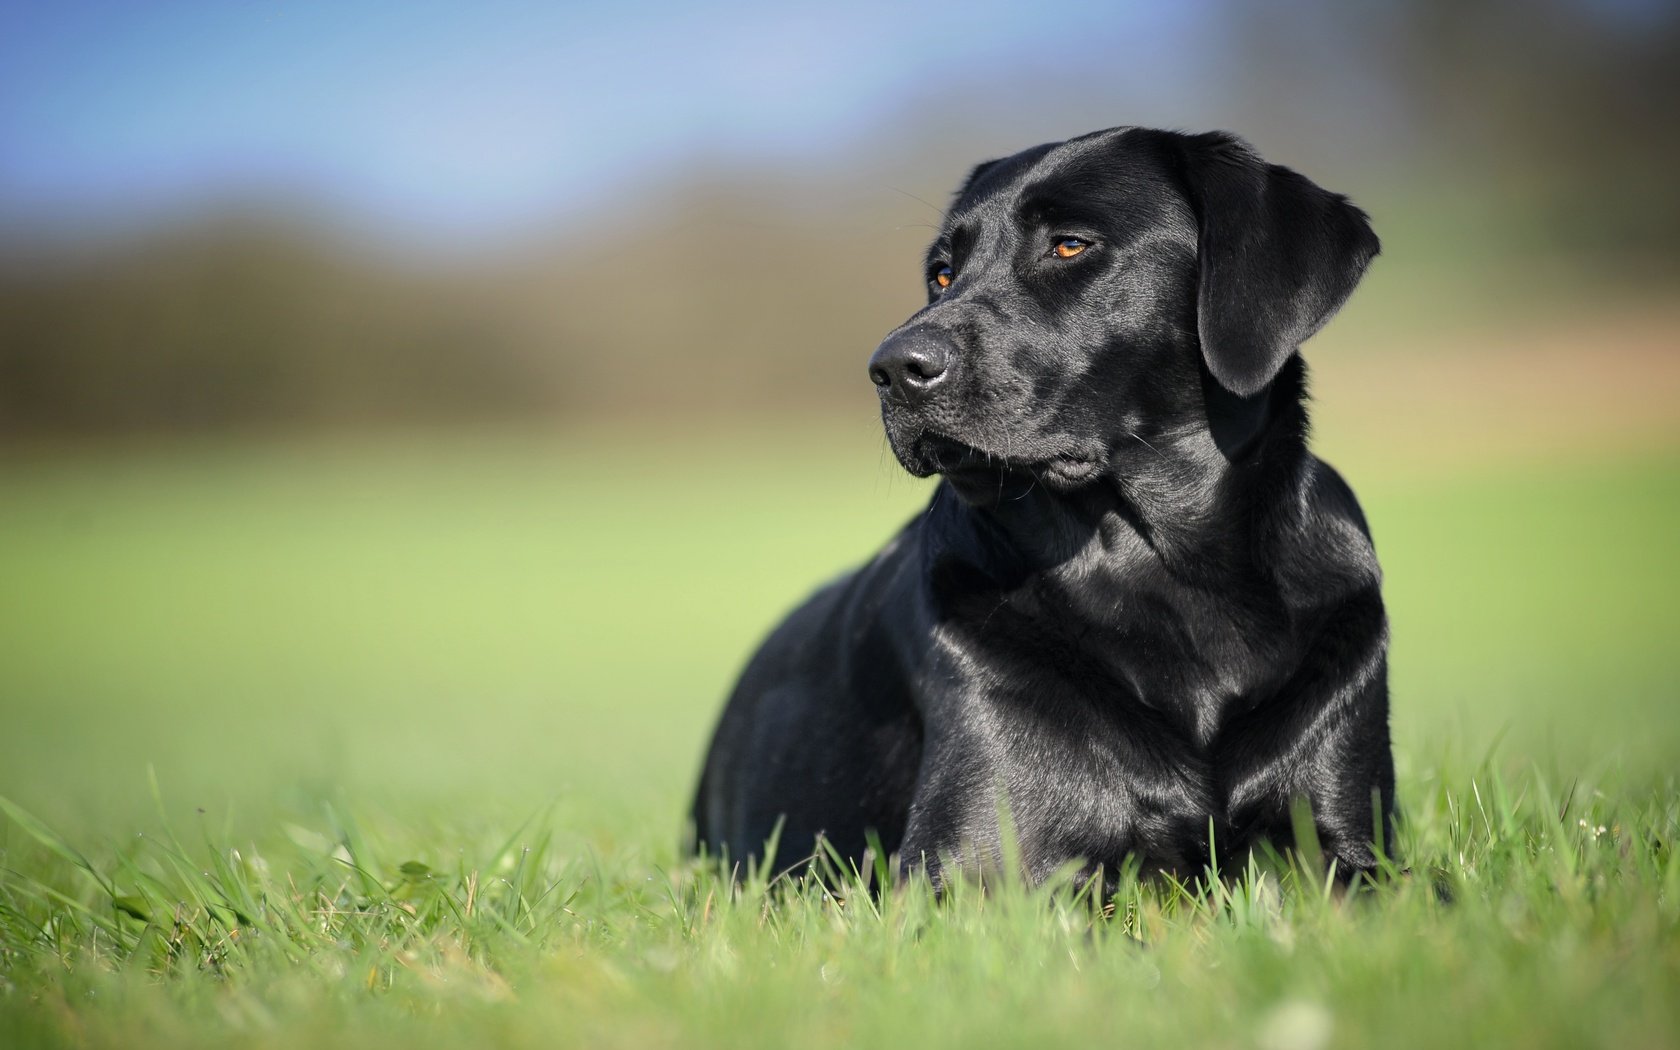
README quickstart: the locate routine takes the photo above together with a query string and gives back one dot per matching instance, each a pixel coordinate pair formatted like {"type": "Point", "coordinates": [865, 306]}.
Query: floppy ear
{"type": "Point", "coordinates": [1277, 257]}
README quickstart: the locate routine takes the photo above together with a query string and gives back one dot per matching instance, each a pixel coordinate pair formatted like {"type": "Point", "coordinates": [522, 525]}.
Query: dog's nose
{"type": "Point", "coordinates": [911, 362]}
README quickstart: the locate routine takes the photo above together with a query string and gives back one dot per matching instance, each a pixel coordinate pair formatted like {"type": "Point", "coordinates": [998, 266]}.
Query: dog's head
{"type": "Point", "coordinates": [1084, 295]}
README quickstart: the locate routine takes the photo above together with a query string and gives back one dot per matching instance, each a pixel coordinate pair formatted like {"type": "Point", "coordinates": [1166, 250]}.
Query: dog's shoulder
{"type": "Point", "coordinates": [1331, 557]}
{"type": "Point", "coordinates": [1330, 495]}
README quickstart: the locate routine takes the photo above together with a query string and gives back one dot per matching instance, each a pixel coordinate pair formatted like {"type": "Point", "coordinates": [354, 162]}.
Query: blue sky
{"type": "Point", "coordinates": [477, 119]}
{"type": "Point", "coordinates": [483, 115]}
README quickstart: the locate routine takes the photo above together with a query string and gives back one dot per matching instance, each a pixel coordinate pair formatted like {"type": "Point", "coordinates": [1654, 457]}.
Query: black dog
{"type": "Point", "coordinates": [1139, 617]}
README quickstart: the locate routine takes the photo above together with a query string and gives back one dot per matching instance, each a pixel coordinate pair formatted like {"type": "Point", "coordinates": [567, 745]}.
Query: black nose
{"type": "Point", "coordinates": [909, 362]}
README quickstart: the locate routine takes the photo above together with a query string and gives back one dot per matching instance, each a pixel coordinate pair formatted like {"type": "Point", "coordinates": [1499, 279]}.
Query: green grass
{"type": "Point", "coordinates": [423, 716]}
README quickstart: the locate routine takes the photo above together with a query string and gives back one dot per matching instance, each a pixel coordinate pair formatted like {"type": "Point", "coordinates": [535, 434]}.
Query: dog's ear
{"type": "Point", "coordinates": [1277, 256]}
{"type": "Point", "coordinates": [975, 176]}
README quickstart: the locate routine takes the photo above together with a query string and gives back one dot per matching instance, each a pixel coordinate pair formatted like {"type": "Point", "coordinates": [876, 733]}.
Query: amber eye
{"type": "Point", "coordinates": [942, 277]}
{"type": "Point", "coordinates": [1068, 247]}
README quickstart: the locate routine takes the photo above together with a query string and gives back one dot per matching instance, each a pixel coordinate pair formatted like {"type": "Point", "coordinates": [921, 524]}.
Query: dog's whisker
{"type": "Point", "coordinates": [1139, 438]}
{"type": "Point", "coordinates": [937, 210]}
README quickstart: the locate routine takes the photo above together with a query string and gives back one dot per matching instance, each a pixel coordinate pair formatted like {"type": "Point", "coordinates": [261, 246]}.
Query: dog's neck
{"type": "Point", "coordinates": [1211, 494]}
{"type": "Point", "coordinates": [1204, 500]}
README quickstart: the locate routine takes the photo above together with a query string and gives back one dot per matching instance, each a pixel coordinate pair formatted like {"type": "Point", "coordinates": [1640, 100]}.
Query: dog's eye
{"type": "Point", "coordinates": [943, 277]}
{"type": "Point", "coordinates": [1068, 247]}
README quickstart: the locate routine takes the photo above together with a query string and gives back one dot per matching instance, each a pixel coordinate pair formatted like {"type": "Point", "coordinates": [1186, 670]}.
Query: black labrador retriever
{"type": "Point", "coordinates": [1138, 617]}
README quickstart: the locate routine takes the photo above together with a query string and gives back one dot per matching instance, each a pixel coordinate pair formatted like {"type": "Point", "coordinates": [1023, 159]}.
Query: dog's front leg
{"type": "Point", "coordinates": [954, 818]}
{"type": "Point", "coordinates": [1350, 780]}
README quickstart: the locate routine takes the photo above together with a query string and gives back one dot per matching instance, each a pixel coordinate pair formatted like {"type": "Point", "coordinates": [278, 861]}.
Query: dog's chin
{"type": "Point", "coordinates": [979, 474]}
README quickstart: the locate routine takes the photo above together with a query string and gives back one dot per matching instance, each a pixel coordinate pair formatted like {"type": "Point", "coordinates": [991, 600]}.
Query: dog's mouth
{"type": "Point", "coordinates": [967, 466]}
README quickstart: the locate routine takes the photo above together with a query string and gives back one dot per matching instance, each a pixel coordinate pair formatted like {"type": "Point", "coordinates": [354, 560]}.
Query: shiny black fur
{"type": "Point", "coordinates": [1137, 608]}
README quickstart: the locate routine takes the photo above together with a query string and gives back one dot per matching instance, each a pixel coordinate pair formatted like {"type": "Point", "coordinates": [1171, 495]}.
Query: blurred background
{"type": "Point", "coordinates": [435, 402]}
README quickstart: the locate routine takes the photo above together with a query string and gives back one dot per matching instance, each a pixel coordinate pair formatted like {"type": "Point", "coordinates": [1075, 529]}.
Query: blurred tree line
{"type": "Point", "coordinates": [1552, 123]}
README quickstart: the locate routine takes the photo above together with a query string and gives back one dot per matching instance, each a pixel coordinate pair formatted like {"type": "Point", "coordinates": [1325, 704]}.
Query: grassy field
{"type": "Point", "coordinates": [387, 742]}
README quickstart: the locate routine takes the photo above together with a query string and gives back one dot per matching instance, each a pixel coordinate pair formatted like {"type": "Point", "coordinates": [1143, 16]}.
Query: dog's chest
{"type": "Point", "coordinates": [1107, 728]}
{"type": "Point", "coordinates": [1178, 663]}
{"type": "Point", "coordinates": [1104, 770]}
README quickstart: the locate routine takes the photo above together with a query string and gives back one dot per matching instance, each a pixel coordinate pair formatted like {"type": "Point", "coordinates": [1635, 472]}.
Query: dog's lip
{"type": "Point", "coordinates": [971, 461]}
{"type": "Point", "coordinates": [1073, 468]}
